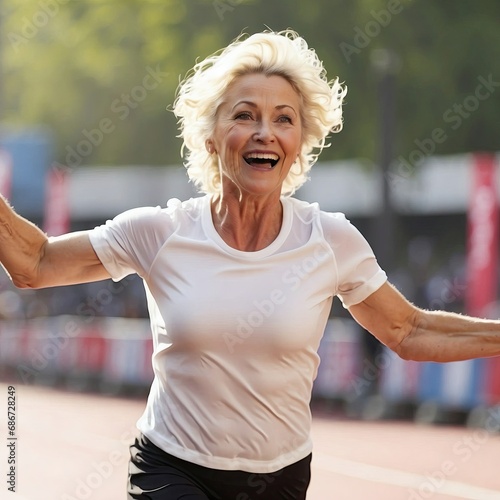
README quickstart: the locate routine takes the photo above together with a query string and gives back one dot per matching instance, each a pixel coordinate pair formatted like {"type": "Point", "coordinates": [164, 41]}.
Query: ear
{"type": "Point", "coordinates": [210, 146]}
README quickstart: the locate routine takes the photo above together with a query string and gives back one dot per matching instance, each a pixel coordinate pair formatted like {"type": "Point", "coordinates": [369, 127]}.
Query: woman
{"type": "Point", "coordinates": [240, 281]}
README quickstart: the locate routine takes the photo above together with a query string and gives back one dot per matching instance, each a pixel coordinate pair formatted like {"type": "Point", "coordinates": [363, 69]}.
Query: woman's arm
{"type": "Point", "coordinates": [420, 335]}
{"type": "Point", "coordinates": [33, 260]}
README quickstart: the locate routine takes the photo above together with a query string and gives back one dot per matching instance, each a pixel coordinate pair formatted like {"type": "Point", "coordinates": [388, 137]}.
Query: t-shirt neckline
{"type": "Point", "coordinates": [212, 233]}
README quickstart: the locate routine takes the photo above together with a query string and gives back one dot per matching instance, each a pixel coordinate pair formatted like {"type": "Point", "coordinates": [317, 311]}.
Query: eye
{"type": "Point", "coordinates": [284, 119]}
{"type": "Point", "coordinates": [244, 115]}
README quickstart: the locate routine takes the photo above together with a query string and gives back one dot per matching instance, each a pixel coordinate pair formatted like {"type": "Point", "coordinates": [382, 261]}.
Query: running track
{"type": "Point", "coordinates": [75, 447]}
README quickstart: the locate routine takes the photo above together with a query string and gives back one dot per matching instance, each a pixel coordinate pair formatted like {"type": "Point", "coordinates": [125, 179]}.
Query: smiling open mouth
{"type": "Point", "coordinates": [262, 160]}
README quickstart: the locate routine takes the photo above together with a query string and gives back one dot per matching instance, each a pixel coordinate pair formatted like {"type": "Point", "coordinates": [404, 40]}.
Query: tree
{"type": "Point", "coordinates": [101, 73]}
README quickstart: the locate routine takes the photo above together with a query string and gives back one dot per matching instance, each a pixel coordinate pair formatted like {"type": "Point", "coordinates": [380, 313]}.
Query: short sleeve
{"type": "Point", "coordinates": [358, 272]}
{"type": "Point", "coordinates": [130, 242]}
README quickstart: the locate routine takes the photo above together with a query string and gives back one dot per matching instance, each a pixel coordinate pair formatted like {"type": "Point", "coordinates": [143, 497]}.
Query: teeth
{"type": "Point", "coordinates": [263, 156]}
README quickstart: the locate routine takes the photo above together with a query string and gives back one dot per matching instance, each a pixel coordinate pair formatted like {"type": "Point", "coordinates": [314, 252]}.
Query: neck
{"type": "Point", "coordinates": [247, 223]}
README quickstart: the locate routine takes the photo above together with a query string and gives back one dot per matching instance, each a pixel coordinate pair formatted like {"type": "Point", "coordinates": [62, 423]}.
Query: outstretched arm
{"type": "Point", "coordinates": [421, 335]}
{"type": "Point", "coordinates": [33, 260]}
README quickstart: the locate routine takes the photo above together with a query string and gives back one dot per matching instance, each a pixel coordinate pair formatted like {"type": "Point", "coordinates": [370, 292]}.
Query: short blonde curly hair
{"type": "Point", "coordinates": [282, 53]}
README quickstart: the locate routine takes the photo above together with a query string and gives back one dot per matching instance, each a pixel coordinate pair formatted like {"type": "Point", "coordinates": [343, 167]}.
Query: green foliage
{"type": "Point", "coordinates": [74, 63]}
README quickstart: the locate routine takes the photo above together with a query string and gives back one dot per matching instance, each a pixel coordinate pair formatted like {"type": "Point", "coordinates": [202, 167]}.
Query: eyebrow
{"type": "Point", "coordinates": [253, 105]}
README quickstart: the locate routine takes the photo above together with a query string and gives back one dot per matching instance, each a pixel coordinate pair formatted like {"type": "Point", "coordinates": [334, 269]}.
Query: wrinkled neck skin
{"type": "Point", "coordinates": [246, 221]}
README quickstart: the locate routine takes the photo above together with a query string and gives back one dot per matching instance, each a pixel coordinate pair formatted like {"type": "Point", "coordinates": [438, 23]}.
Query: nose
{"type": "Point", "coordinates": [263, 132]}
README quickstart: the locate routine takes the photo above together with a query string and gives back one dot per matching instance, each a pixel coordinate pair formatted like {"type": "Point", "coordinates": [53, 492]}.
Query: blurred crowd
{"type": "Point", "coordinates": [100, 299]}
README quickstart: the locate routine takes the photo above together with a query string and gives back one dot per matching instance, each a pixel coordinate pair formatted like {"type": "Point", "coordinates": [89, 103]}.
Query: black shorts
{"type": "Point", "coordinates": [156, 475]}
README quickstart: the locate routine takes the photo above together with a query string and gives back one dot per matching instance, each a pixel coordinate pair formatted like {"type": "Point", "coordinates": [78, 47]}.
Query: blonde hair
{"type": "Point", "coordinates": [282, 53]}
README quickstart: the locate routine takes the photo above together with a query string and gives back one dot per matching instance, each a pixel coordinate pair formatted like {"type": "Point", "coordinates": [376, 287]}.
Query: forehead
{"type": "Point", "coordinates": [256, 87]}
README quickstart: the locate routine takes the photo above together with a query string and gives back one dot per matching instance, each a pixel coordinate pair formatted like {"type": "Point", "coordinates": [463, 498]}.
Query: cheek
{"type": "Point", "coordinates": [231, 139]}
{"type": "Point", "coordinates": [294, 145]}
{"type": "Point", "coordinates": [232, 142]}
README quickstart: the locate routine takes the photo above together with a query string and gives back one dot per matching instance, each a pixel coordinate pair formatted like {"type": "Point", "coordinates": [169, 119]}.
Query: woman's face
{"type": "Point", "coordinates": [257, 134]}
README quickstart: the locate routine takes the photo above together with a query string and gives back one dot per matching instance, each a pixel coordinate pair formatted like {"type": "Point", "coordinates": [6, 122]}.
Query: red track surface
{"type": "Point", "coordinates": [75, 447]}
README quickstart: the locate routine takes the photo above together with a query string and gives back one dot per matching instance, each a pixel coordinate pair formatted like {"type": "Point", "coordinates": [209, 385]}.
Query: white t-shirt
{"type": "Point", "coordinates": [236, 333]}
